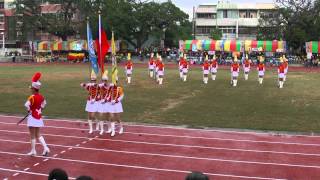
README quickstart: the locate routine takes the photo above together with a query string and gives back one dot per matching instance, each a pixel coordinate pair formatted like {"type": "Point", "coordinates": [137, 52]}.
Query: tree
{"type": "Point", "coordinates": [294, 21]}
{"type": "Point", "coordinates": [216, 33]}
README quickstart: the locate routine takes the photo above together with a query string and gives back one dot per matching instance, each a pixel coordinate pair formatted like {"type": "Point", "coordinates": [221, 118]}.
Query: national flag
{"type": "Point", "coordinates": [102, 46]}
{"type": "Point", "coordinates": [92, 55]}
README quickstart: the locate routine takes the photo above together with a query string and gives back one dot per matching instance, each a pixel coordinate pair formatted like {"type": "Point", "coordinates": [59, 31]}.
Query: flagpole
{"type": "Point", "coordinates": [100, 55]}
{"type": "Point", "coordinates": [88, 26]}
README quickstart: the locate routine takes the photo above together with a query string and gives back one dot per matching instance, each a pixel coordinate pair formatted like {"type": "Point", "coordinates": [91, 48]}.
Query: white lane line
{"type": "Point", "coordinates": [180, 128]}
{"type": "Point", "coordinates": [195, 137]}
{"type": "Point", "coordinates": [187, 157]}
{"type": "Point", "coordinates": [62, 152]}
{"type": "Point", "coordinates": [24, 172]}
{"type": "Point", "coordinates": [26, 169]}
{"type": "Point", "coordinates": [15, 174]}
{"type": "Point", "coordinates": [183, 146]}
{"type": "Point", "coordinates": [90, 139]}
{"type": "Point", "coordinates": [5, 178]}
{"type": "Point", "coordinates": [70, 148]}
{"type": "Point", "coordinates": [84, 142]}
{"type": "Point", "coordinates": [45, 160]}
{"type": "Point", "coordinates": [55, 155]}
{"type": "Point", "coordinates": [36, 164]}
{"type": "Point", "coordinates": [77, 145]}
{"type": "Point", "coordinates": [142, 167]}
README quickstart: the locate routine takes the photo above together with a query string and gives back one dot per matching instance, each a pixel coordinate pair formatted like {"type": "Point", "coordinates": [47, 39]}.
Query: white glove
{"type": "Point", "coordinates": [113, 102]}
{"type": "Point", "coordinates": [92, 101]}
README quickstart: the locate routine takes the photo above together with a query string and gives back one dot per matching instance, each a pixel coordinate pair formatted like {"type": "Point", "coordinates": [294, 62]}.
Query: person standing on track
{"type": "Point", "coordinates": [214, 68]}
{"type": "Point", "coordinates": [157, 68]}
{"type": "Point", "coordinates": [160, 70]}
{"type": "Point", "coordinates": [92, 104]}
{"type": "Point", "coordinates": [181, 60]}
{"type": "Point", "coordinates": [185, 68]}
{"type": "Point", "coordinates": [151, 65]}
{"type": "Point", "coordinates": [35, 104]}
{"type": "Point", "coordinates": [103, 107]}
{"type": "Point", "coordinates": [281, 70]}
{"type": "Point", "coordinates": [129, 68]}
{"type": "Point", "coordinates": [205, 69]}
{"type": "Point", "coordinates": [261, 69]}
{"type": "Point", "coordinates": [235, 68]}
{"type": "Point", "coordinates": [286, 67]}
{"type": "Point", "coordinates": [246, 67]}
{"type": "Point", "coordinates": [114, 98]}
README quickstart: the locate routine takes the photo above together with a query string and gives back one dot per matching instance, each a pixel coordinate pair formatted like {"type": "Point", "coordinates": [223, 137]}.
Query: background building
{"type": "Point", "coordinates": [237, 21]}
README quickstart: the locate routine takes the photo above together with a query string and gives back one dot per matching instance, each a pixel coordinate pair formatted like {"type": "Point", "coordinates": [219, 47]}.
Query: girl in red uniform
{"type": "Point", "coordinates": [235, 68]}
{"type": "Point", "coordinates": [35, 103]}
{"type": "Point", "coordinates": [206, 69]}
{"type": "Point", "coordinates": [129, 68]}
{"type": "Point", "coordinates": [214, 68]}
{"type": "Point", "coordinates": [281, 73]}
{"type": "Point", "coordinates": [151, 65]}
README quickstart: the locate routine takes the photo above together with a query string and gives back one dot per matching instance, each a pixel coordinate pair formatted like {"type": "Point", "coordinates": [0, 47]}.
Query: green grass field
{"type": "Point", "coordinates": [217, 104]}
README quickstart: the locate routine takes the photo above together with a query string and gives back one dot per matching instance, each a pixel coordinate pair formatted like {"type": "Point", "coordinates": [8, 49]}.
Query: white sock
{"type": "Point", "coordinates": [246, 76]}
{"type": "Point", "coordinates": [234, 83]}
{"type": "Point", "coordinates": [43, 143]}
{"type": "Point", "coordinates": [151, 74]}
{"type": "Point", "coordinates": [97, 125]}
{"type": "Point", "coordinates": [90, 126]}
{"type": "Point", "coordinates": [160, 81]}
{"type": "Point", "coordinates": [260, 80]}
{"type": "Point", "coordinates": [184, 78]}
{"type": "Point", "coordinates": [113, 126]}
{"type": "Point", "coordinates": [181, 75]}
{"type": "Point", "coordinates": [129, 80]}
{"type": "Point", "coordinates": [120, 128]}
{"type": "Point", "coordinates": [214, 77]}
{"type": "Point", "coordinates": [109, 127]}
{"type": "Point", "coordinates": [33, 146]}
{"type": "Point", "coordinates": [285, 77]}
{"type": "Point", "coordinates": [101, 127]}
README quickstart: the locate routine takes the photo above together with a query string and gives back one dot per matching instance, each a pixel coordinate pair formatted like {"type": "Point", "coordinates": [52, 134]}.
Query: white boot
{"type": "Point", "coordinates": [109, 127]}
{"type": "Point", "coordinates": [260, 80]}
{"type": "Point", "coordinates": [90, 126]}
{"type": "Point", "coordinates": [113, 131]}
{"type": "Point", "coordinates": [235, 83]}
{"type": "Point", "coordinates": [101, 127]}
{"type": "Point", "coordinates": [206, 80]}
{"type": "Point", "coordinates": [151, 74]}
{"type": "Point", "coordinates": [213, 77]}
{"type": "Point", "coordinates": [281, 84]}
{"type": "Point", "coordinates": [97, 125]}
{"type": "Point", "coordinates": [284, 78]}
{"type": "Point", "coordinates": [129, 80]}
{"type": "Point", "coordinates": [180, 75]}
{"type": "Point", "coordinates": [121, 128]}
{"type": "Point", "coordinates": [160, 81]}
{"type": "Point", "coordinates": [184, 78]}
{"type": "Point", "coordinates": [33, 148]}
{"type": "Point", "coordinates": [246, 76]}
{"type": "Point", "coordinates": [46, 150]}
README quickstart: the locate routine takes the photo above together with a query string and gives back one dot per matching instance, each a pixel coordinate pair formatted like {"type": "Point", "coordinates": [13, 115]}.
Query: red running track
{"type": "Point", "coordinates": [157, 152]}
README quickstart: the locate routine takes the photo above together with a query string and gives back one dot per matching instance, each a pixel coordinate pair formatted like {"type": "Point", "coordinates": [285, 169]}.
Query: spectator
{"type": "Point", "coordinates": [197, 176]}
{"type": "Point", "coordinates": [58, 174]}
{"type": "Point", "coordinates": [84, 178]}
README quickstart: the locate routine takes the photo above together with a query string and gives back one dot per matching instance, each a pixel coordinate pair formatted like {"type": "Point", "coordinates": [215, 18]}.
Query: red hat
{"type": "Point", "coordinates": [36, 84]}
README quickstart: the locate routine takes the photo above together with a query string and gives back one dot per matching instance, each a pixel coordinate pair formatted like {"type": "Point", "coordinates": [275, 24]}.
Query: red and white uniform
{"type": "Point", "coordinates": [151, 64]}
{"type": "Point", "coordinates": [281, 70]}
{"type": "Point", "coordinates": [103, 106]}
{"type": "Point", "coordinates": [181, 61]}
{"type": "Point", "coordinates": [34, 105]}
{"type": "Point", "coordinates": [246, 65]}
{"type": "Point", "coordinates": [92, 103]}
{"type": "Point", "coordinates": [206, 67]}
{"type": "Point", "coordinates": [214, 66]}
{"type": "Point", "coordinates": [129, 67]}
{"type": "Point", "coordinates": [235, 68]}
{"type": "Point", "coordinates": [160, 68]}
{"type": "Point", "coordinates": [114, 98]}
{"type": "Point", "coordinates": [261, 69]}
{"type": "Point", "coordinates": [185, 66]}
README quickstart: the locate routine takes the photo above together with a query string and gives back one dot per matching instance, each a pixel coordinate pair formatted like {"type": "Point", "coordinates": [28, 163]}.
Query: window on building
{"type": "Point", "coordinates": [206, 15]}
{"type": "Point", "coordinates": [1, 19]}
{"type": "Point", "coordinates": [1, 5]}
{"type": "Point", "coordinates": [225, 14]}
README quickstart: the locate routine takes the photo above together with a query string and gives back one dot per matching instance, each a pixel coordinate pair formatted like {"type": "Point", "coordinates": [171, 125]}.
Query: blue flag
{"type": "Point", "coordinates": [92, 55]}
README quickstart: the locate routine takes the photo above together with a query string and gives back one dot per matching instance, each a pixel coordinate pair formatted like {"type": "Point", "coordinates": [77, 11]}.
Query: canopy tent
{"type": "Point", "coordinates": [77, 45]}
{"type": "Point", "coordinates": [44, 46]}
{"type": "Point", "coordinates": [71, 45]}
{"type": "Point", "coordinates": [313, 47]}
{"type": "Point", "coordinates": [266, 46]}
{"type": "Point", "coordinates": [60, 46]}
{"type": "Point", "coordinates": [234, 45]}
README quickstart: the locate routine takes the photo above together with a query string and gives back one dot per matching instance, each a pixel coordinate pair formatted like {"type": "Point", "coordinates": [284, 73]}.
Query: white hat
{"type": "Point", "coordinates": [36, 84]}
{"type": "Point", "coordinates": [93, 76]}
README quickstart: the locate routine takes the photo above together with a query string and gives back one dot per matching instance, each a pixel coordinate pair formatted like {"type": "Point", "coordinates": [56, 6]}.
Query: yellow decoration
{"type": "Point", "coordinates": [105, 75]}
{"type": "Point", "coordinates": [207, 58]}
{"type": "Point", "coordinates": [93, 75]}
{"type": "Point", "coordinates": [129, 56]}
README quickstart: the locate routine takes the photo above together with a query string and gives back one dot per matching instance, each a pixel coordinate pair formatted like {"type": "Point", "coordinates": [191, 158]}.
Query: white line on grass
{"type": "Point", "coordinates": [173, 145]}
{"type": "Point", "coordinates": [180, 156]}
{"type": "Point", "coordinates": [142, 167]}
{"type": "Point", "coordinates": [191, 137]}
{"type": "Point", "coordinates": [24, 172]}
{"type": "Point", "coordinates": [181, 128]}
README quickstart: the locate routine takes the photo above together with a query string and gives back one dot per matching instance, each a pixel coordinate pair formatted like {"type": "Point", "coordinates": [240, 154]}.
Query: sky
{"type": "Point", "coordinates": [187, 5]}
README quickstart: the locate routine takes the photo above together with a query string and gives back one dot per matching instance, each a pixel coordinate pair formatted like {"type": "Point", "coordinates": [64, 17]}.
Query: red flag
{"type": "Point", "coordinates": [104, 49]}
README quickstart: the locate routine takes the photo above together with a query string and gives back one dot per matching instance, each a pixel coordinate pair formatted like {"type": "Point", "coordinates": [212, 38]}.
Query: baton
{"type": "Point", "coordinates": [22, 119]}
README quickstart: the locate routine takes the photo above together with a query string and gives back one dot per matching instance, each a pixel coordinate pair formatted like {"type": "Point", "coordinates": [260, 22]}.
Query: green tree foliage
{"type": "Point", "coordinates": [216, 33]}
{"type": "Point", "coordinates": [294, 21]}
